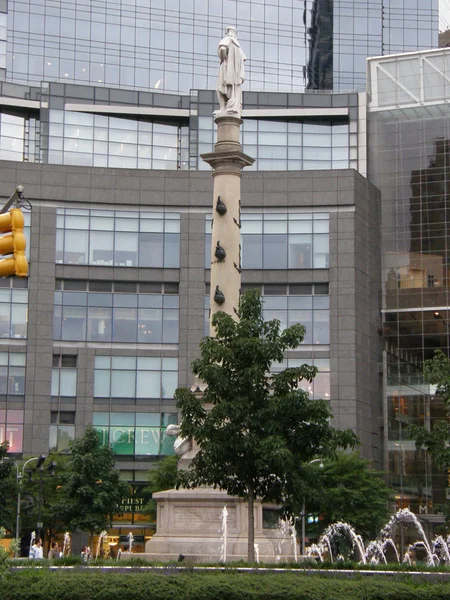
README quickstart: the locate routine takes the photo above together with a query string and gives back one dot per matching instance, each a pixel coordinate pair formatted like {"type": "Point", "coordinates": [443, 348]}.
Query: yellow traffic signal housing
{"type": "Point", "coordinates": [14, 243]}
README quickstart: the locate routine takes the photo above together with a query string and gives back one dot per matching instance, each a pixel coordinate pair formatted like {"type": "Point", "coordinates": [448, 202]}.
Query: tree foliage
{"type": "Point", "coordinates": [91, 489]}
{"type": "Point", "coordinates": [162, 477]}
{"type": "Point", "coordinates": [254, 429]}
{"type": "Point", "coordinates": [8, 489]}
{"type": "Point", "coordinates": [437, 440]}
{"type": "Point", "coordinates": [436, 371]}
{"type": "Point", "coordinates": [50, 490]}
{"type": "Point", "coordinates": [347, 489]}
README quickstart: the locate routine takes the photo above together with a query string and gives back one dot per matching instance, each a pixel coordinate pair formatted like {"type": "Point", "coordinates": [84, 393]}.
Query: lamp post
{"type": "Point", "coordinates": [319, 460]}
{"type": "Point", "coordinates": [19, 477]}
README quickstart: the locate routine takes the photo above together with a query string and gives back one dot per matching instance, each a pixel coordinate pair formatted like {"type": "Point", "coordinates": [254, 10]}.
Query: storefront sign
{"type": "Point", "coordinates": [147, 441]}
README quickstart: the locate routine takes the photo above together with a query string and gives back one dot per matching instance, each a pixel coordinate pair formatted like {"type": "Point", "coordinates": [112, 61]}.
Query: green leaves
{"type": "Point", "coordinates": [347, 489]}
{"type": "Point", "coordinates": [437, 372]}
{"type": "Point", "coordinates": [91, 487]}
{"type": "Point", "coordinates": [260, 426]}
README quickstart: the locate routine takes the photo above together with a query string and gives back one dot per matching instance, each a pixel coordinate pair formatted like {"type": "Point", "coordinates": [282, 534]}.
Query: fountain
{"type": "Point", "coordinates": [405, 518]}
{"type": "Point", "coordinates": [286, 532]}
{"type": "Point", "coordinates": [102, 536]}
{"type": "Point", "coordinates": [440, 550]}
{"type": "Point", "coordinates": [223, 547]}
{"type": "Point", "coordinates": [256, 547]}
{"type": "Point", "coordinates": [341, 537]}
{"type": "Point", "coordinates": [66, 544]}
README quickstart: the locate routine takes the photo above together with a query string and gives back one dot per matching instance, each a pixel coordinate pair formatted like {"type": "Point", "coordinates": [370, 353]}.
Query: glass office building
{"type": "Point", "coordinates": [409, 150]}
{"type": "Point", "coordinates": [106, 108]}
{"type": "Point", "coordinates": [170, 45]}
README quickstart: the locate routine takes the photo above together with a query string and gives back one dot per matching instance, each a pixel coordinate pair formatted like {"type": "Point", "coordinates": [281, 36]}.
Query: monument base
{"type": "Point", "coordinates": [191, 523]}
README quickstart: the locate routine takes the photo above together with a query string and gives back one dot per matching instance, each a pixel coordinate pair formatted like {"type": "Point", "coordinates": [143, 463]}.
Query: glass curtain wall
{"type": "Point", "coordinates": [409, 161]}
{"type": "Point", "coordinates": [165, 45]}
{"type": "Point", "coordinates": [281, 146]}
{"type": "Point", "coordinates": [171, 45]}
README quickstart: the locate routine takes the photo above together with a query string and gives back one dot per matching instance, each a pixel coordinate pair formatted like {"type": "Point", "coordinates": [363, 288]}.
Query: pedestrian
{"type": "Point", "coordinates": [53, 552]}
{"type": "Point", "coordinates": [86, 554]}
{"type": "Point", "coordinates": [36, 550]}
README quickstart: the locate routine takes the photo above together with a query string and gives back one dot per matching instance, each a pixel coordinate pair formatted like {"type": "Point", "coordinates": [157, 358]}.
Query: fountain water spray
{"type": "Point", "coordinates": [440, 550]}
{"type": "Point", "coordinates": [130, 541]}
{"type": "Point", "coordinates": [66, 544]}
{"type": "Point", "coordinates": [337, 533]}
{"type": "Point", "coordinates": [223, 547]}
{"type": "Point", "coordinates": [256, 547]}
{"type": "Point", "coordinates": [102, 536]}
{"type": "Point", "coordinates": [286, 530]}
{"type": "Point", "coordinates": [405, 517]}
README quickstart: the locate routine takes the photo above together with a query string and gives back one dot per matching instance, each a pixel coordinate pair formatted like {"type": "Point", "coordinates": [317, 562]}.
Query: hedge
{"type": "Point", "coordinates": [85, 584]}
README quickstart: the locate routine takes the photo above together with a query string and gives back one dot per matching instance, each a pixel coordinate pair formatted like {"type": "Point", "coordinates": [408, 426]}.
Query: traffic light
{"type": "Point", "coordinates": [14, 243]}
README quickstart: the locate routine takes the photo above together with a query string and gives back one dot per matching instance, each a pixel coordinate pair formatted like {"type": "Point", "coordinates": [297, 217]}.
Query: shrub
{"type": "Point", "coordinates": [174, 584]}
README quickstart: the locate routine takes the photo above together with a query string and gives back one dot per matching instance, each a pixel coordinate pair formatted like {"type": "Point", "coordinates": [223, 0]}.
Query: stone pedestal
{"type": "Point", "coordinates": [189, 523]}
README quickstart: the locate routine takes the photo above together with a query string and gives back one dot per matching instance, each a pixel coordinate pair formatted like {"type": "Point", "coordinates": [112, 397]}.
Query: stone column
{"type": "Point", "coordinates": [227, 160]}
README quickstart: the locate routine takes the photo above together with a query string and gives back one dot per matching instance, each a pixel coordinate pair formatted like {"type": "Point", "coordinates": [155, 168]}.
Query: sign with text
{"type": "Point", "coordinates": [143, 441]}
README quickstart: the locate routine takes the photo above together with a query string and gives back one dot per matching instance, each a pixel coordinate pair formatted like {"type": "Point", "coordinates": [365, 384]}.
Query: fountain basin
{"type": "Point", "coordinates": [189, 522]}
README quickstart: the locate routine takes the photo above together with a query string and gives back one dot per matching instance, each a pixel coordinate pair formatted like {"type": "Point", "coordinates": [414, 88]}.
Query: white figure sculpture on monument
{"type": "Point", "coordinates": [231, 75]}
{"type": "Point", "coordinates": [181, 444]}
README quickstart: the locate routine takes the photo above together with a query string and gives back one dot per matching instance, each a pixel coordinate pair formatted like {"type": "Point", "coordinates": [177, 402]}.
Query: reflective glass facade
{"type": "Point", "coordinates": [409, 129]}
{"type": "Point", "coordinates": [115, 317]}
{"type": "Point", "coordinates": [100, 141]}
{"type": "Point", "coordinates": [11, 429]}
{"type": "Point", "coordinates": [281, 146]}
{"type": "Point", "coordinates": [140, 434]}
{"type": "Point", "coordinates": [280, 241]}
{"type": "Point", "coordinates": [114, 238]}
{"type": "Point", "coordinates": [12, 373]}
{"type": "Point", "coordinates": [137, 378]}
{"type": "Point", "coordinates": [171, 45]}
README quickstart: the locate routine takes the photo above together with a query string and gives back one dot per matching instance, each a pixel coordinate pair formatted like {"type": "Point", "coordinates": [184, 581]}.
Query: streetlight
{"type": "Point", "coordinates": [319, 460]}
{"type": "Point", "coordinates": [19, 476]}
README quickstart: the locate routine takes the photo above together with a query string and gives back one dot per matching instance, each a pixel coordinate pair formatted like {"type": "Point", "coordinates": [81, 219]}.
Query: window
{"type": "Point", "coordinates": [305, 304]}
{"type": "Point", "coordinates": [122, 239]}
{"type": "Point", "coordinates": [12, 373]}
{"type": "Point", "coordinates": [11, 429]}
{"type": "Point", "coordinates": [102, 141]}
{"type": "Point", "coordinates": [13, 312]}
{"type": "Point", "coordinates": [281, 146]}
{"type": "Point", "coordinates": [139, 316]}
{"type": "Point", "coordinates": [64, 376]}
{"type": "Point", "coordinates": [319, 388]}
{"type": "Point", "coordinates": [62, 430]}
{"type": "Point", "coordinates": [142, 434]}
{"type": "Point", "coordinates": [280, 241]}
{"type": "Point", "coordinates": [135, 377]}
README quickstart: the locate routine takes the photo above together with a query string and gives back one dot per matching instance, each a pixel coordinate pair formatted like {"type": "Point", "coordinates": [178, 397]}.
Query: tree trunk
{"type": "Point", "coordinates": [251, 525]}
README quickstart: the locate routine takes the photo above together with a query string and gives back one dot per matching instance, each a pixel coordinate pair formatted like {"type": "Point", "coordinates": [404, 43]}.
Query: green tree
{"type": "Point", "coordinates": [8, 489]}
{"type": "Point", "coordinates": [91, 489]}
{"type": "Point", "coordinates": [347, 489]}
{"type": "Point", "coordinates": [257, 428]}
{"type": "Point", "coordinates": [162, 477]}
{"type": "Point", "coordinates": [47, 492]}
{"type": "Point", "coordinates": [437, 440]}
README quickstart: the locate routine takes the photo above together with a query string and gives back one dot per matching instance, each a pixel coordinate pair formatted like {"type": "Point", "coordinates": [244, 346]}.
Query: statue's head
{"type": "Point", "coordinates": [231, 31]}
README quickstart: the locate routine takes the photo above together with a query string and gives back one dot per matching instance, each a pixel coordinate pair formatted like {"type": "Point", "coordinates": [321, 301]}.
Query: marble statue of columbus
{"type": "Point", "coordinates": [231, 74]}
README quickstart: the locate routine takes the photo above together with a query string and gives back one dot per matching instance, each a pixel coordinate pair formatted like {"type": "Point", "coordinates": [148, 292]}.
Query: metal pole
{"type": "Point", "coordinates": [19, 477]}
{"type": "Point", "coordinates": [18, 503]}
{"type": "Point", "coordinates": [303, 527]}
{"type": "Point", "coordinates": [39, 523]}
